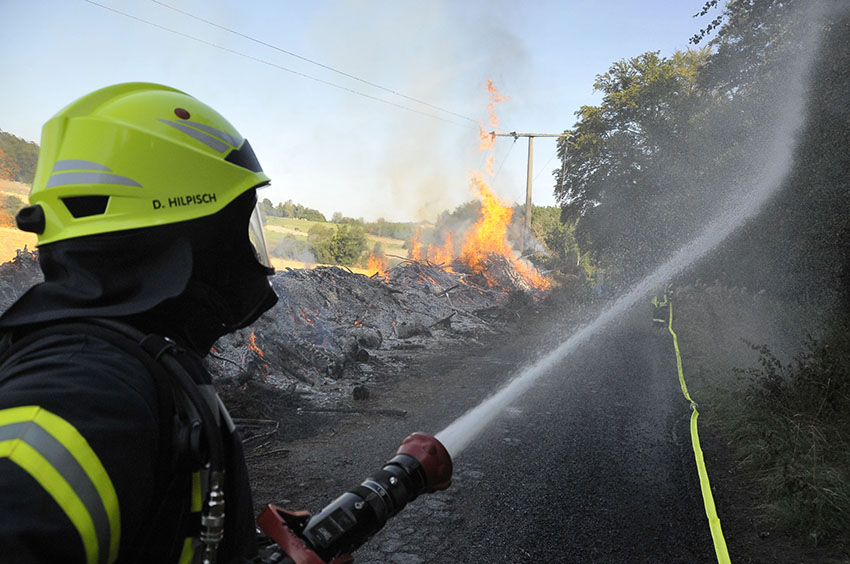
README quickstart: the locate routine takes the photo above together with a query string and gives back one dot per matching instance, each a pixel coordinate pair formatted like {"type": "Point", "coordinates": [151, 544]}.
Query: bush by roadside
{"type": "Point", "coordinates": [773, 379]}
{"type": "Point", "coordinates": [795, 436]}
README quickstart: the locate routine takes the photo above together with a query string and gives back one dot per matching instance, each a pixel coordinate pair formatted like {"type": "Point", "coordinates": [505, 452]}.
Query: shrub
{"type": "Point", "coordinates": [795, 436]}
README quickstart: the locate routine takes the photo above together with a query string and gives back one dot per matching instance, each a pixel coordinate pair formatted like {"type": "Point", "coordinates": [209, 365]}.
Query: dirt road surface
{"type": "Point", "coordinates": [593, 465]}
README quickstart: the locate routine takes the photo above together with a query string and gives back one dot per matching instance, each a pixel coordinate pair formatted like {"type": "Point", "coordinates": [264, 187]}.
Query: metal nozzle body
{"type": "Point", "coordinates": [421, 465]}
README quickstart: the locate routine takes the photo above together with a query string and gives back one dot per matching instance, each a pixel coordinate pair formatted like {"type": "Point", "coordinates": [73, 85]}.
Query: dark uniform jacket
{"type": "Point", "coordinates": [89, 470]}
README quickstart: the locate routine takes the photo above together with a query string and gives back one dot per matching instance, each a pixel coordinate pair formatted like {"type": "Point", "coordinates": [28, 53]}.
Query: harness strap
{"type": "Point", "coordinates": [175, 387]}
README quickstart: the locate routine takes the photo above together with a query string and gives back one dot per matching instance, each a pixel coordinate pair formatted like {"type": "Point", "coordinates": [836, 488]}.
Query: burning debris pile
{"type": "Point", "coordinates": [334, 331]}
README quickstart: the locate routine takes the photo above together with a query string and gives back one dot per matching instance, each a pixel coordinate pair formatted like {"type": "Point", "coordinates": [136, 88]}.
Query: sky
{"type": "Point", "coordinates": [393, 130]}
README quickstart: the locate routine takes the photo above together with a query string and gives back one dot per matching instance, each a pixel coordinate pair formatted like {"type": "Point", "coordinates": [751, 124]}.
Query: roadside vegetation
{"type": "Point", "coordinates": [765, 346]}
{"type": "Point", "coordinates": [779, 397]}
{"type": "Point", "coordinates": [794, 436]}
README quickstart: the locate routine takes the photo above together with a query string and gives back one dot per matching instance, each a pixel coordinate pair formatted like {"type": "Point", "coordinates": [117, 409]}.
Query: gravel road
{"type": "Point", "coordinates": [592, 465]}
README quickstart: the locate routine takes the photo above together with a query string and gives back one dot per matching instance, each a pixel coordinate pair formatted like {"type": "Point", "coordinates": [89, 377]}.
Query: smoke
{"type": "Point", "coordinates": [293, 249]}
{"type": "Point", "coordinates": [769, 167]}
{"type": "Point", "coordinates": [419, 165]}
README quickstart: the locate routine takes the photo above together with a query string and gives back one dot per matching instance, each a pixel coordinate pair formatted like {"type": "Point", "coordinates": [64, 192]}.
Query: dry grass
{"type": "Point", "coordinates": [11, 239]}
{"type": "Point", "coordinates": [15, 188]}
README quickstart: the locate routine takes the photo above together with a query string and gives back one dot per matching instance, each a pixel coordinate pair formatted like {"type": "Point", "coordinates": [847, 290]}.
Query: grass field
{"type": "Point", "coordinates": [11, 239]}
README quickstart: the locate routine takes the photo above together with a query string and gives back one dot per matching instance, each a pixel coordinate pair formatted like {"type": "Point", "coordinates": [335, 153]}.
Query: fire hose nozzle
{"type": "Point", "coordinates": [421, 465]}
{"type": "Point", "coordinates": [434, 458]}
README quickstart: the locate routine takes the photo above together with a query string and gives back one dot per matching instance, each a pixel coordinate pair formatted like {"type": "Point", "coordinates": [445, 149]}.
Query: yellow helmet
{"type": "Point", "coordinates": [136, 155]}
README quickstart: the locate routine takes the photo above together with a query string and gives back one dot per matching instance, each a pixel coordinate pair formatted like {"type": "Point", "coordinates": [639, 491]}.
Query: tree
{"type": "Point", "coordinates": [348, 243]}
{"type": "Point", "coordinates": [311, 215]}
{"type": "Point", "coordinates": [623, 158]}
{"type": "Point", "coordinates": [286, 209]}
{"type": "Point", "coordinates": [343, 245]}
{"type": "Point", "coordinates": [268, 208]}
{"type": "Point", "coordinates": [18, 158]}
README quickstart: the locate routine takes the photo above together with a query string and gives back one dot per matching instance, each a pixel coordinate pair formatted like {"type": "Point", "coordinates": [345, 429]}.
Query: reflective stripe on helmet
{"type": "Point", "coordinates": [217, 132]}
{"type": "Point", "coordinates": [78, 164]}
{"type": "Point", "coordinates": [66, 178]}
{"type": "Point", "coordinates": [205, 138]}
{"type": "Point", "coordinates": [54, 453]}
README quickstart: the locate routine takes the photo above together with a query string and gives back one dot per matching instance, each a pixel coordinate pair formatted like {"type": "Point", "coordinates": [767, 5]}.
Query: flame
{"type": "Point", "coordinates": [416, 246]}
{"type": "Point", "coordinates": [376, 265]}
{"type": "Point", "coordinates": [252, 344]}
{"type": "Point", "coordinates": [306, 317]}
{"type": "Point", "coordinates": [489, 234]}
{"type": "Point", "coordinates": [443, 255]}
{"type": "Point", "coordinates": [488, 138]}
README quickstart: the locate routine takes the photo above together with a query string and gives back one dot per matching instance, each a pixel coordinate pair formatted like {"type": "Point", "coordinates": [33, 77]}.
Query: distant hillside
{"type": "Point", "coordinates": [18, 158]}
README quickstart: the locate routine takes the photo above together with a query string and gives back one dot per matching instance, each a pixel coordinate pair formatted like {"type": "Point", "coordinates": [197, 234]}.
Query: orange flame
{"type": "Point", "coordinates": [487, 137]}
{"type": "Point", "coordinates": [376, 265]}
{"type": "Point", "coordinates": [489, 234]}
{"type": "Point", "coordinates": [443, 255]}
{"type": "Point", "coordinates": [416, 246]}
{"type": "Point", "coordinates": [252, 344]}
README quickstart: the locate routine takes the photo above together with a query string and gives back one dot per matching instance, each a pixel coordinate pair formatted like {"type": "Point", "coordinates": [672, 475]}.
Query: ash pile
{"type": "Point", "coordinates": [334, 333]}
{"type": "Point", "coordinates": [17, 275]}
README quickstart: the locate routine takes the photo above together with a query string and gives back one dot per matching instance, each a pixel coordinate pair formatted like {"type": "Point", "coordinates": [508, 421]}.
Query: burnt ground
{"type": "Point", "coordinates": [594, 464]}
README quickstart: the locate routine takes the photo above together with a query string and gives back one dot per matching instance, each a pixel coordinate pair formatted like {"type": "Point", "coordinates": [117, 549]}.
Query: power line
{"type": "Point", "coordinates": [545, 165]}
{"type": "Point", "coordinates": [504, 160]}
{"type": "Point", "coordinates": [311, 61]}
{"type": "Point", "coordinates": [269, 63]}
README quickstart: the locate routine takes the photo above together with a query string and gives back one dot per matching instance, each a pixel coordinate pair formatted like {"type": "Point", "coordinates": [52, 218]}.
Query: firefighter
{"type": "Point", "coordinates": [113, 448]}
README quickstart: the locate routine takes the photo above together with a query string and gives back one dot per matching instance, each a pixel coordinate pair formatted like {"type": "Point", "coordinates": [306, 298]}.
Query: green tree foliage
{"type": "Point", "coordinates": [293, 248]}
{"type": "Point", "coordinates": [343, 245]}
{"type": "Point", "coordinates": [268, 208]}
{"type": "Point", "coordinates": [288, 209]}
{"type": "Point", "coordinates": [18, 158]}
{"type": "Point", "coordinates": [309, 214]}
{"type": "Point", "coordinates": [799, 246]}
{"type": "Point", "coordinates": [676, 140]}
{"type": "Point", "coordinates": [557, 236]}
{"type": "Point", "coordinates": [620, 158]}
{"type": "Point", "coordinates": [394, 230]}
{"type": "Point", "coordinates": [9, 207]}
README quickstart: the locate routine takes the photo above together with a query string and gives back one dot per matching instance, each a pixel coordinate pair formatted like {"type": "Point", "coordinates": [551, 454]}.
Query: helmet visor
{"type": "Point", "coordinates": [258, 238]}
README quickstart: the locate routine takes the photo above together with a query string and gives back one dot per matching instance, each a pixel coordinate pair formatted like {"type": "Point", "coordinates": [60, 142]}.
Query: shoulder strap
{"type": "Point", "coordinates": [158, 354]}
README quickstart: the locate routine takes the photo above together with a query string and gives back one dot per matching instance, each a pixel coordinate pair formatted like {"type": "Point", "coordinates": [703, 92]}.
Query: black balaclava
{"type": "Point", "coordinates": [192, 281]}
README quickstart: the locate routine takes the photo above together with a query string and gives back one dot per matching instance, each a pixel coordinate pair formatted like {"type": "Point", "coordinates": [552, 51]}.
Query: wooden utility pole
{"type": "Point", "coordinates": [526, 224]}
